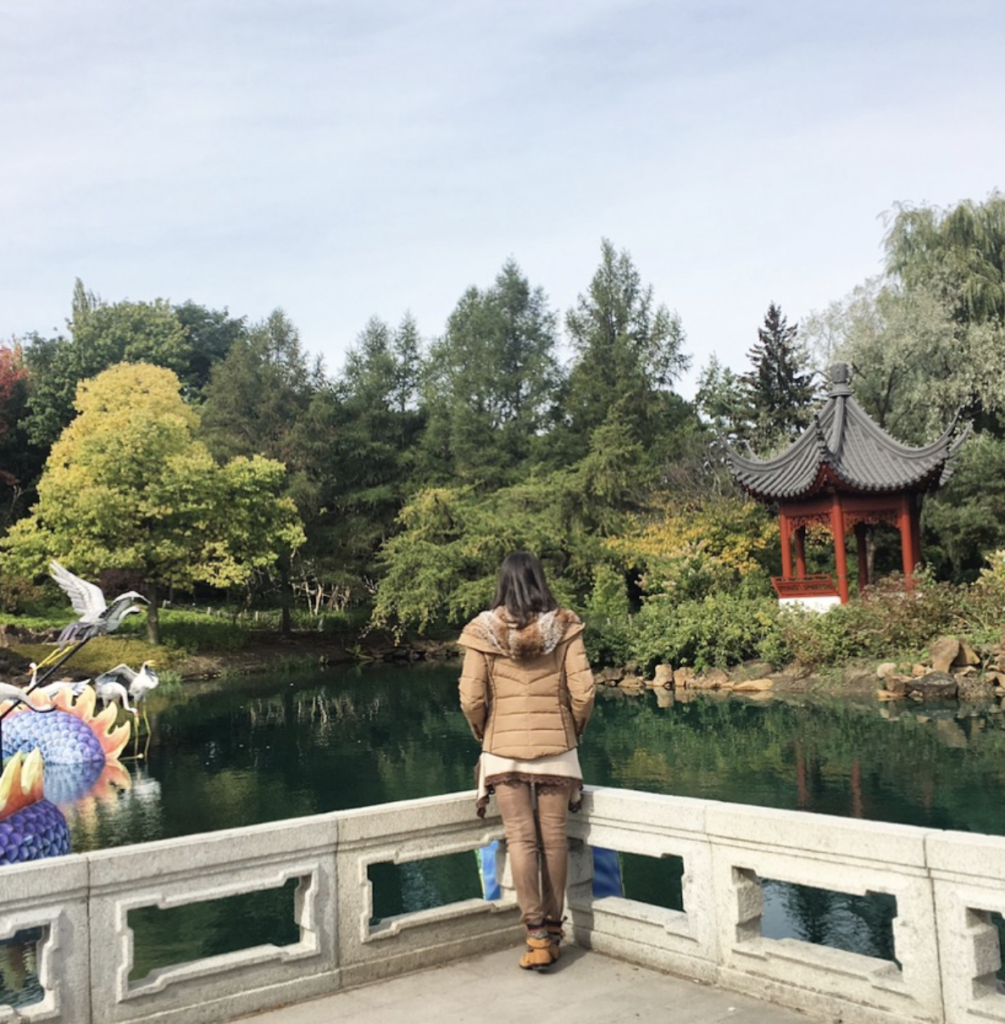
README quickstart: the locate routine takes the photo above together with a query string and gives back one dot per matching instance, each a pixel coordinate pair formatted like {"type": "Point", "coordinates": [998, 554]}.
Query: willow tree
{"type": "Point", "coordinates": [957, 253]}
{"type": "Point", "coordinates": [128, 486]}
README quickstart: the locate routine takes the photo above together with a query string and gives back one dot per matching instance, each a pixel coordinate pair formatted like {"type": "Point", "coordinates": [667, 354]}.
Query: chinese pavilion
{"type": "Point", "coordinates": [844, 473]}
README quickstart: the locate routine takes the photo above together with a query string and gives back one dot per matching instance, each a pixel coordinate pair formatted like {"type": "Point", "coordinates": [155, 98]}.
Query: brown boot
{"type": "Point", "coordinates": [539, 955]}
{"type": "Point", "coordinates": [555, 936]}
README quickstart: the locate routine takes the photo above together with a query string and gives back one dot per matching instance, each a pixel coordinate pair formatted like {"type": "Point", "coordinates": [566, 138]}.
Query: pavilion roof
{"type": "Point", "coordinates": [846, 448]}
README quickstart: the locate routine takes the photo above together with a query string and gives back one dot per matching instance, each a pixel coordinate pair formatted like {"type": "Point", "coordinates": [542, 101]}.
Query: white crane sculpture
{"type": "Point", "coordinates": [123, 680]}
{"type": "Point", "coordinates": [97, 617]}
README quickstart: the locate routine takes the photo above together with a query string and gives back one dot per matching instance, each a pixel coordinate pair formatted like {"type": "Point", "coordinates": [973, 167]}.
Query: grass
{"type": "Point", "coordinates": [103, 652]}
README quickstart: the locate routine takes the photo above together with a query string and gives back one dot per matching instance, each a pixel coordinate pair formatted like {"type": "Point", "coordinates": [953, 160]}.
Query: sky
{"type": "Point", "coordinates": [348, 158]}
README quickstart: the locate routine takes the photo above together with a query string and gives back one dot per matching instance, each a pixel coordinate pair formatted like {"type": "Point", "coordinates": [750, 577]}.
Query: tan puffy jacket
{"type": "Point", "coordinates": [526, 693]}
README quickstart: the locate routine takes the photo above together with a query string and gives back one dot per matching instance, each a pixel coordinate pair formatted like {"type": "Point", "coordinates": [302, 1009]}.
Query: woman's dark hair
{"type": "Point", "coordinates": [522, 589]}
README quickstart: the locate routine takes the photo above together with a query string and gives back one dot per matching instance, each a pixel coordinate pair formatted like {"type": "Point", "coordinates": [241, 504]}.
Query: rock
{"type": "Point", "coordinates": [888, 695]}
{"type": "Point", "coordinates": [756, 695]}
{"type": "Point", "coordinates": [886, 669]}
{"type": "Point", "coordinates": [974, 687]}
{"type": "Point", "coordinates": [753, 686]}
{"type": "Point", "coordinates": [633, 684]}
{"type": "Point", "coordinates": [682, 678]}
{"type": "Point", "coordinates": [967, 670]}
{"type": "Point", "coordinates": [857, 678]}
{"type": "Point", "coordinates": [756, 669]}
{"type": "Point", "coordinates": [918, 670]}
{"type": "Point", "coordinates": [898, 685]}
{"type": "Point", "coordinates": [943, 653]}
{"type": "Point", "coordinates": [935, 686]}
{"type": "Point", "coordinates": [711, 679]}
{"type": "Point", "coordinates": [663, 676]}
{"type": "Point", "coordinates": [613, 676]}
{"type": "Point", "coordinates": [966, 655]}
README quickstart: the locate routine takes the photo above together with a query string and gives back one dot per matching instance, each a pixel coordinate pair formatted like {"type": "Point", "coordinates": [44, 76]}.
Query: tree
{"type": "Point", "coordinates": [211, 335]}
{"type": "Point", "coordinates": [957, 254]}
{"type": "Point", "coordinates": [258, 392]}
{"type": "Point", "coordinates": [721, 400]}
{"type": "Point", "coordinates": [101, 336]}
{"type": "Point", "coordinates": [629, 353]}
{"type": "Point", "coordinates": [373, 424]}
{"type": "Point", "coordinates": [254, 402]}
{"type": "Point", "coordinates": [957, 257]}
{"type": "Point", "coordinates": [20, 461]}
{"type": "Point", "coordinates": [128, 486]}
{"type": "Point", "coordinates": [778, 392]}
{"type": "Point", "coordinates": [909, 371]}
{"type": "Point", "coordinates": [490, 383]}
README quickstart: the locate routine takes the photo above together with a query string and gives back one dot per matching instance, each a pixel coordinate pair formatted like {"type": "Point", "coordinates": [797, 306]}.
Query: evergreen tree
{"type": "Point", "coordinates": [490, 383]}
{"type": "Point", "coordinates": [629, 354]}
{"type": "Point", "coordinates": [365, 430]}
{"type": "Point", "coordinates": [778, 388]}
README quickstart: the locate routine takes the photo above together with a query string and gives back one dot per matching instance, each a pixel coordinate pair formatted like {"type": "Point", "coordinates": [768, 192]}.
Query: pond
{"type": "Point", "coordinates": [251, 750]}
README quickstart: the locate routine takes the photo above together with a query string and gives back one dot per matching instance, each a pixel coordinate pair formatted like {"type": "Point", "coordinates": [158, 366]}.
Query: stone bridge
{"type": "Point", "coordinates": [947, 886]}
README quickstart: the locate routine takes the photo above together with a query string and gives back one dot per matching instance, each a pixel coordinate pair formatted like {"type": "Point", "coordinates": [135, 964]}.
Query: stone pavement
{"type": "Point", "coordinates": [582, 988]}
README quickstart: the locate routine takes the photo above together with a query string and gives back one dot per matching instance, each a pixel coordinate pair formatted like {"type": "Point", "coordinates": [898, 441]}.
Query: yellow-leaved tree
{"type": "Point", "coordinates": [128, 485]}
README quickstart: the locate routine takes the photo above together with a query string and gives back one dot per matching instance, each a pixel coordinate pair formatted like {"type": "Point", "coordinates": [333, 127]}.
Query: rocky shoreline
{"type": "Point", "coordinates": [955, 670]}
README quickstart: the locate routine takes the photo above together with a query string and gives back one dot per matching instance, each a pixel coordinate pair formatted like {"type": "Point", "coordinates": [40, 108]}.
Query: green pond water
{"type": "Point", "coordinates": [254, 750]}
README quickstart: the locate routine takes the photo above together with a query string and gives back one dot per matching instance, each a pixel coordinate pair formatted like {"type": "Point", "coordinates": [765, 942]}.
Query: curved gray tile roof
{"type": "Point", "coordinates": [856, 450]}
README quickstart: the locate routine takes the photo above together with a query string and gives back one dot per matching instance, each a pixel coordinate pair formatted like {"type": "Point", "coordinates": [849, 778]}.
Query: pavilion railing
{"type": "Point", "coordinates": [813, 585]}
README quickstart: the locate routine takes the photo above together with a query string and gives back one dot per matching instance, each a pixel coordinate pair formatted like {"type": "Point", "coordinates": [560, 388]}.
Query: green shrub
{"type": "Point", "coordinates": [890, 621]}
{"type": "Point", "coordinates": [722, 629]}
{"type": "Point", "coordinates": [608, 635]}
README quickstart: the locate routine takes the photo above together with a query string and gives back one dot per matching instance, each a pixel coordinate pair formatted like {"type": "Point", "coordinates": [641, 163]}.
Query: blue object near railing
{"type": "Point", "coordinates": [606, 872]}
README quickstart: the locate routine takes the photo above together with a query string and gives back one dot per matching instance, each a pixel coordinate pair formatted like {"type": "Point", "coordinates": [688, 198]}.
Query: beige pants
{"type": "Point", "coordinates": [530, 830]}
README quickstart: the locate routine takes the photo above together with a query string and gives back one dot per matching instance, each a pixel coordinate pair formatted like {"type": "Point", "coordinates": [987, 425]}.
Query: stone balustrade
{"type": "Point", "coordinates": [946, 886]}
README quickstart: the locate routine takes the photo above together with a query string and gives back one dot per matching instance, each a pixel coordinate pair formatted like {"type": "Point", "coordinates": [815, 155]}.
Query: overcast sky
{"type": "Point", "coordinates": [343, 158]}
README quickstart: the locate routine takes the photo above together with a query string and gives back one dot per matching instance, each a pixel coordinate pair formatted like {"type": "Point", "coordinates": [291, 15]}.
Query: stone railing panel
{"type": "Point", "coordinates": [968, 873]}
{"type": "Point", "coordinates": [838, 854]}
{"type": "Point", "coordinates": [400, 833]}
{"type": "Point", "coordinates": [653, 826]}
{"type": "Point", "coordinates": [51, 895]}
{"type": "Point", "coordinates": [210, 867]}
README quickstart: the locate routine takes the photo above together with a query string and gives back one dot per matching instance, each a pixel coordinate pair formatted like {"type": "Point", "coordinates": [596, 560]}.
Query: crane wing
{"type": "Point", "coordinates": [121, 674]}
{"type": "Point", "coordinates": [87, 599]}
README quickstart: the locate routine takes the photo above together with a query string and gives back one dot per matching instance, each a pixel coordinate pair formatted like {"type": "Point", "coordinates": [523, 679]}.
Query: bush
{"type": "Point", "coordinates": [722, 629]}
{"type": "Point", "coordinates": [608, 635]}
{"type": "Point", "coordinates": [889, 622]}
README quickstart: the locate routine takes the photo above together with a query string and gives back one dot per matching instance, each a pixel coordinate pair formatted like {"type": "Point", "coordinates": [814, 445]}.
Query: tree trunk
{"type": "Point", "coordinates": [153, 617]}
{"type": "Point", "coordinates": [285, 593]}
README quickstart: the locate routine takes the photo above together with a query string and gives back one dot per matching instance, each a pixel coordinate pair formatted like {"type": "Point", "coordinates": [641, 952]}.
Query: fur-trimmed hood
{"type": "Point", "coordinates": [494, 632]}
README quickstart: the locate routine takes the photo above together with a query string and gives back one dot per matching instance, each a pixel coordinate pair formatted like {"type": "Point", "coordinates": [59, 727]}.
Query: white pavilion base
{"type": "Point", "coordinates": [813, 604]}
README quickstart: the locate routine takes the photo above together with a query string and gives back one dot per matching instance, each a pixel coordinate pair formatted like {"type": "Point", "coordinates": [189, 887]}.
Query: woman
{"type": "Point", "coordinates": [527, 692]}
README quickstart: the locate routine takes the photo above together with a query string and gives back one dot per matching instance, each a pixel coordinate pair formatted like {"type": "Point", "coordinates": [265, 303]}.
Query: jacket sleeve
{"type": "Point", "coordinates": [579, 679]}
{"type": "Point", "coordinates": [474, 687]}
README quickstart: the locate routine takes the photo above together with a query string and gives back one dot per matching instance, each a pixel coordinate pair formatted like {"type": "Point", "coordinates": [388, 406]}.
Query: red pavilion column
{"type": "Point", "coordinates": [800, 552]}
{"type": "Point", "coordinates": [841, 562]}
{"type": "Point", "coordinates": [915, 506]}
{"type": "Point", "coordinates": [786, 532]}
{"type": "Point", "coordinates": [863, 557]}
{"type": "Point", "coordinates": [909, 557]}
